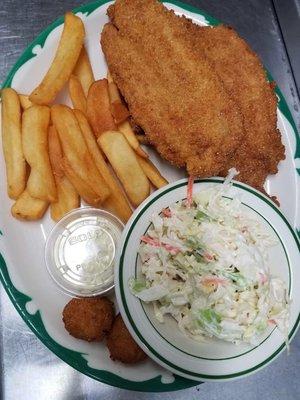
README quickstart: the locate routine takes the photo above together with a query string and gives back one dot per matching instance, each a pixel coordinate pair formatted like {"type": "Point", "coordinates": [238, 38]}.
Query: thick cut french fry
{"type": "Point", "coordinates": [55, 154]}
{"type": "Point", "coordinates": [65, 59]}
{"type": "Point", "coordinates": [83, 70]}
{"type": "Point", "coordinates": [128, 133]}
{"type": "Point", "coordinates": [76, 152]}
{"type": "Point", "coordinates": [28, 208]}
{"type": "Point", "coordinates": [109, 77]}
{"type": "Point", "coordinates": [67, 197]}
{"type": "Point", "coordinates": [124, 162]}
{"type": "Point", "coordinates": [152, 172]}
{"type": "Point", "coordinates": [35, 123]}
{"type": "Point", "coordinates": [119, 112]}
{"type": "Point", "coordinates": [118, 109]}
{"type": "Point", "coordinates": [81, 186]}
{"type": "Point", "coordinates": [77, 94]}
{"type": "Point", "coordinates": [25, 102]}
{"type": "Point", "coordinates": [98, 108]}
{"type": "Point", "coordinates": [12, 143]}
{"type": "Point", "coordinates": [116, 202]}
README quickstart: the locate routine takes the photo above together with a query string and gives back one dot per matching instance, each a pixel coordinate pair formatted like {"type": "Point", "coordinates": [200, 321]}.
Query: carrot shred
{"type": "Point", "coordinates": [189, 197]}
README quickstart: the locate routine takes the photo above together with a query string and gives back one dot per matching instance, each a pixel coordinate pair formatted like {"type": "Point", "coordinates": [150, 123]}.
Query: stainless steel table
{"type": "Point", "coordinates": [29, 371]}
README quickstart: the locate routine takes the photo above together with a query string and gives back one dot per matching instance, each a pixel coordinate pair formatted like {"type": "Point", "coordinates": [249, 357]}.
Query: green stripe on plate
{"type": "Point", "coordinates": [19, 300]}
{"type": "Point", "coordinates": [36, 324]}
{"type": "Point", "coordinates": [123, 297]}
{"type": "Point", "coordinates": [253, 348]}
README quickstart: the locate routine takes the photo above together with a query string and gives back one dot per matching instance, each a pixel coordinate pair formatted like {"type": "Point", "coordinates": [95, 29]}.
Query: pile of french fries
{"type": "Point", "coordinates": [56, 155]}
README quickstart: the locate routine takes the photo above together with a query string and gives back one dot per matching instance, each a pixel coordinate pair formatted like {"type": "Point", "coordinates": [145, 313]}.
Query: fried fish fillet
{"type": "Point", "coordinates": [244, 78]}
{"type": "Point", "coordinates": [171, 89]}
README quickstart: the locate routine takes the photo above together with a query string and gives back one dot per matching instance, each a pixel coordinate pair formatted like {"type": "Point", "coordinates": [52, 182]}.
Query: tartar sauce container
{"type": "Point", "coordinates": [81, 249]}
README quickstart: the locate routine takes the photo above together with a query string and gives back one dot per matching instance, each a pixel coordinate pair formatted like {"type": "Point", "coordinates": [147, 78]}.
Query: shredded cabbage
{"type": "Point", "coordinates": [207, 266]}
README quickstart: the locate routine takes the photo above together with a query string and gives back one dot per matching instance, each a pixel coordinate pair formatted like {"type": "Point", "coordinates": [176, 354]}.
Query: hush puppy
{"type": "Point", "coordinates": [89, 318]}
{"type": "Point", "coordinates": [121, 345]}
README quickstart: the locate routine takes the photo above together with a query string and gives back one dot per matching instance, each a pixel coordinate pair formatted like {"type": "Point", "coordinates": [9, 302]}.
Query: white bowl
{"type": "Point", "coordinates": [164, 343]}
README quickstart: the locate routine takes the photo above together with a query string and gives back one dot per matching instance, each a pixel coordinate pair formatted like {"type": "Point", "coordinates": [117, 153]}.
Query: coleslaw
{"type": "Point", "coordinates": [205, 262]}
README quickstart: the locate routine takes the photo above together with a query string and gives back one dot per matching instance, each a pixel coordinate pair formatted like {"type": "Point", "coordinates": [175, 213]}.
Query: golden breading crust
{"type": "Point", "coordinates": [172, 91]}
{"type": "Point", "coordinates": [244, 78]}
{"type": "Point", "coordinates": [121, 345]}
{"type": "Point", "coordinates": [89, 318]}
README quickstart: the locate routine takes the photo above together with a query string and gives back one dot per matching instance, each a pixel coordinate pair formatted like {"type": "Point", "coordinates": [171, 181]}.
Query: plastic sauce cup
{"type": "Point", "coordinates": [80, 251]}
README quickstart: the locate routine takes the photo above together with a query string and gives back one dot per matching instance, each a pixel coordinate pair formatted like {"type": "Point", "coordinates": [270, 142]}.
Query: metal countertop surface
{"type": "Point", "coordinates": [29, 371]}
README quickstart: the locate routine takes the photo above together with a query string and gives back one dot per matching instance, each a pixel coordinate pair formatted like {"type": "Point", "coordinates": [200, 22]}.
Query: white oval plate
{"type": "Point", "coordinates": [22, 269]}
{"type": "Point", "coordinates": [213, 359]}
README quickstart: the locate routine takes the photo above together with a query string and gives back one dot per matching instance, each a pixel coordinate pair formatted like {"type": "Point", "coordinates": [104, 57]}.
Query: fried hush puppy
{"type": "Point", "coordinates": [89, 318]}
{"type": "Point", "coordinates": [121, 345]}
{"type": "Point", "coordinates": [92, 319]}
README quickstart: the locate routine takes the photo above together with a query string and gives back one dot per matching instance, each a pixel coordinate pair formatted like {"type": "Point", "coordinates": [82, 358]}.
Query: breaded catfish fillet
{"type": "Point", "coordinates": [172, 91]}
{"type": "Point", "coordinates": [243, 76]}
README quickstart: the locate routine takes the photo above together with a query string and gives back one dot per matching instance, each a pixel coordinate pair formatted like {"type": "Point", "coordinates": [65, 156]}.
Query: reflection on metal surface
{"type": "Point", "coordinates": [288, 14]}
{"type": "Point", "coordinates": [31, 372]}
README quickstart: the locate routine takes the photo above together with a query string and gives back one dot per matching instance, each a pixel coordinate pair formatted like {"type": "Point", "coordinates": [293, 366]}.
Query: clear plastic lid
{"type": "Point", "coordinates": [80, 251]}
